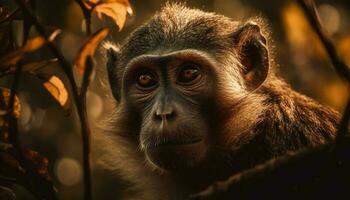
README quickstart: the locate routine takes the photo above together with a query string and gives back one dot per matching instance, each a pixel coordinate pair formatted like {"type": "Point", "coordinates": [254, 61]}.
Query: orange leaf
{"type": "Point", "coordinates": [115, 9]}
{"type": "Point", "coordinates": [34, 44]}
{"type": "Point", "coordinates": [31, 45]}
{"type": "Point", "coordinates": [5, 92]}
{"type": "Point", "coordinates": [39, 162]}
{"type": "Point", "coordinates": [89, 49]}
{"type": "Point", "coordinates": [12, 58]}
{"type": "Point", "coordinates": [56, 88]}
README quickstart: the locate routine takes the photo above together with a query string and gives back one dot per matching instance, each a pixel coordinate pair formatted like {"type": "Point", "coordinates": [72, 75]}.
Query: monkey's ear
{"type": "Point", "coordinates": [112, 62]}
{"type": "Point", "coordinates": [253, 54]}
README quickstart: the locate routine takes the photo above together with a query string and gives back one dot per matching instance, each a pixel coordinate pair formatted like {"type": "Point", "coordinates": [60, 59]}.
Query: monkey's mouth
{"type": "Point", "coordinates": [172, 142]}
{"type": "Point", "coordinates": [165, 143]}
{"type": "Point", "coordinates": [176, 154]}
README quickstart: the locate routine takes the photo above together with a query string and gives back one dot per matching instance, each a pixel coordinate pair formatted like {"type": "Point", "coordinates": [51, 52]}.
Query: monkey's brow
{"type": "Point", "coordinates": [190, 54]}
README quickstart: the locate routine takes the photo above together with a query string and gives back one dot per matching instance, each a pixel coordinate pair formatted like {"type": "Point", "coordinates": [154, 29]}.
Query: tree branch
{"type": "Point", "coordinates": [67, 68]}
{"type": "Point", "coordinates": [9, 17]}
{"type": "Point", "coordinates": [287, 176]}
{"type": "Point", "coordinates": [87, 15]}
{"type": "Point", "coordinates": [309, 8]}
{"type": "Point", "coordinates": [311, 13]}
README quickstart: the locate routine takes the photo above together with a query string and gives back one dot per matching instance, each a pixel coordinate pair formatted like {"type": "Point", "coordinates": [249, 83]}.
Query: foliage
{"type": "Point", "coordinates": [27, 167]}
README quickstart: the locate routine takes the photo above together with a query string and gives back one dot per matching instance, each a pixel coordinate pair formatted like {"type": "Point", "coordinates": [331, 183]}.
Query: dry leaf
{"type": "Point", "coordinates": [56, 88]}
{"type": "Point", "coordinates": [5, 92]}
{"type": "Point", "coordinates": [12, 58]}
{"type": "Point", "coordinates": [39, 162]}
{"type": "Point", "coordinates": [115, 9]}
{"type": "Point", "coordinates": [30, 67]}
{"type": "Point", "coordinates": [89, 49]}
{"type": "Point", "coordinates": [31, 45]}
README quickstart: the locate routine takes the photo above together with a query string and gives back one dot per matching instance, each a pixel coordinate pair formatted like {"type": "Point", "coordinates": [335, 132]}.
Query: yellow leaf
{"type": "Point", "coordinates": [33, 44]}
{"type": "Point", "coordinates": [12, 58]}
{"type": "Point", "coordinates": [56, 88]}
{"type": "Point", "coordinates": [38, 162]}
{"type": "Point", "coordinates": [115, 9]}
{"type": "Point", "coordinates": [89, 48]}
{"type": "Point", "coordinates": [5, 92]}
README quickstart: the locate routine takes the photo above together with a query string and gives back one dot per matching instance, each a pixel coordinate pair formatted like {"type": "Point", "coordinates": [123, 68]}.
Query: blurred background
{"type": "Point", "coordinates": [45, 127]}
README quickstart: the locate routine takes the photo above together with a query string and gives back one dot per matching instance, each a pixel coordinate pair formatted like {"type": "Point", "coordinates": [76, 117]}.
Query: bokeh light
{"type": "Point", "coordinates": [330, 18]}
{"type": "Point", "coordinates": [68, 171]}
{"type": "Point", "coordinates": [94, 105]}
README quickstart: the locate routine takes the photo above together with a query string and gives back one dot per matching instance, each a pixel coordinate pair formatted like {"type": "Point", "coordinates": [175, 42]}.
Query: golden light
{"type": "Point", "coordinates": [68, 171]}
{"type": "Point", "coordinates": [330, 18]}
{"type": "Point", "coordinates": [94, 105]}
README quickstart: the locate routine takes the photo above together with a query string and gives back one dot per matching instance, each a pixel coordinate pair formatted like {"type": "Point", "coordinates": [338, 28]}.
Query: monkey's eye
{"type": "Point", "coordinates": [188, 73]}
{"type": "Point", "coordinates": [146, 80]}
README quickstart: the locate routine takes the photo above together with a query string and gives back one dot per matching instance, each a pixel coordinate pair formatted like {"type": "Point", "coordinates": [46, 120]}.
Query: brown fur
{"type": "Point", "coordinates": [258, 125]}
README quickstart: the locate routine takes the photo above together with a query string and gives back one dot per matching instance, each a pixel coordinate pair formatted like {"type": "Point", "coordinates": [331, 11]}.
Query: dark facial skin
{"type": "Point", "coordinates": [176, 86]}
{"type": "Point", "coordinates": [169, 97]}
{"type": "Point", "coordinates": [171, 94]}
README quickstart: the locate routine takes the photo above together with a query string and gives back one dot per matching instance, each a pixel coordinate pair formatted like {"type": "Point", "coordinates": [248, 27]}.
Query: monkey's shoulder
{"type": "Point", "coordinates": [295, 120]}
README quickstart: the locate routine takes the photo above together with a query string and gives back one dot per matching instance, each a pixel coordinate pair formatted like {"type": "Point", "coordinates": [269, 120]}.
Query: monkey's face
{"type": "Point", "coordinates": [178, 79]}
{"type": "Point", "coordinates": [171, 95]}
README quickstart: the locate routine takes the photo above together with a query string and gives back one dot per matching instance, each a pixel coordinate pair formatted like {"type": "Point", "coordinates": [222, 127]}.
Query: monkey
{"type": "Point", "coordinates": [197, 99]}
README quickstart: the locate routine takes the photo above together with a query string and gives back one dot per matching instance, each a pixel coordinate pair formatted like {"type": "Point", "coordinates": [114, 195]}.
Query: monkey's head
{"type": "Point", "coordinates": [179, 78]}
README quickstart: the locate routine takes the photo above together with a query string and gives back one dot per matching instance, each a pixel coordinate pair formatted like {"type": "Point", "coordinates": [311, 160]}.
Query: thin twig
{"type": "Point", "coordinates": [32, 181]}
{"type": "Point", "coordinates": [311, 13]}
{"type": "Point", "coordinates": [9, 17]}
{"type": "Point", "coordinates": [86, 77]}
{"type": "Point", "coordinates": [86, 138]}
{"type": "Point", "coordinates": [343, 128]}
{"type": "Point", "coordinates": [67, 68]}
{"type": "Point", "coordinates": [42, 191]}
{"type": "Point", "coordinates": [87, 15]}
{"type": "Point", "coordinates": [10, 108]}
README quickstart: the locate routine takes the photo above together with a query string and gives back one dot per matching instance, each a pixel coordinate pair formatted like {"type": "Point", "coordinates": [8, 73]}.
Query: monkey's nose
{"type": "Point", "coordinates": [166, 114]}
